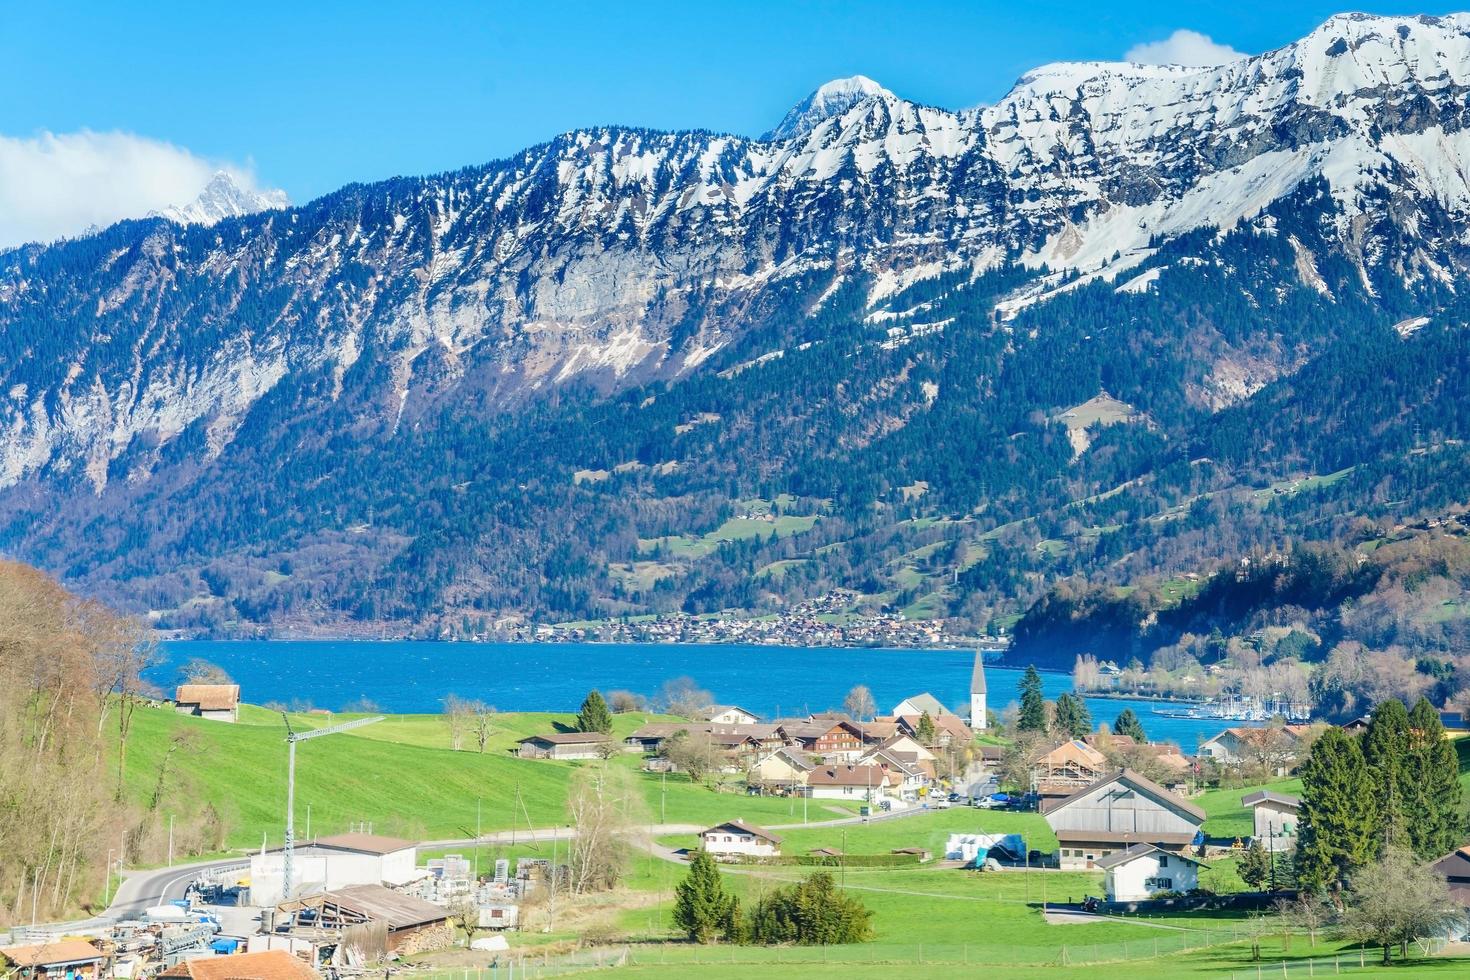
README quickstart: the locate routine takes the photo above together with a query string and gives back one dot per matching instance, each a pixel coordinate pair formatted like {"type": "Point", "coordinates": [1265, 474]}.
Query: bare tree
{"type": "Point", "coordinates": [199, 671]}
{"type": "Point", "coordinates": [466, 914]}
{"type": "Point", "coordinates": [482, 722]}
{"type": "Point", "coordinates": [1306, 912]}
{"type": "Point", "coordinates": [691, 752]}
{"type": "Point", "coordinates": [682, 697]}
{"type": "Point", "coordinates": [457, 716]}
{"type": "Point", "coordinates": [859, 703]}
{"type": "Point", "coordinates": [622, 702]}
{"type": "Point", "coordinates": [605, 809]}
{"type": "Point", "coordinates": [1397, 900]}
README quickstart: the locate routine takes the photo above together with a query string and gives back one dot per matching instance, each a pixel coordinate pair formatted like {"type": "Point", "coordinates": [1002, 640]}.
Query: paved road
{"type": "Point", "coordinates": [142, 890]}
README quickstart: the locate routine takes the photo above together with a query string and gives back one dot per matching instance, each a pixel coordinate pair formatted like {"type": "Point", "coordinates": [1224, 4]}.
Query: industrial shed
{"type": "Point", "coordinates": [412, 925]}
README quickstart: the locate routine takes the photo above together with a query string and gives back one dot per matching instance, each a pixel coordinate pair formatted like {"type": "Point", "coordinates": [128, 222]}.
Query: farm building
{"type": "Point", "coordinates": [275, 964]}
{"type": "Point", "coordinates": [1455, 867]}
{"type": "Point", "coordinates": [74, 959]}
{"type": "Point", "coordinates": [1144, 870]}
{"type": "Point", "coordinates": [334, 862]}
{"type": "Point", "coordinates": [1116, 812]}
{"type": "Point", "coordinates": [218, 702]}
{"type": "Point", "coordinates": [1276, 816]}
{"type": "Point", "coordinates": [564, 745]}
{"type": "Point", "coordinates": [411, 925]}
{"type": "Point", "coordinates": [736, 838]}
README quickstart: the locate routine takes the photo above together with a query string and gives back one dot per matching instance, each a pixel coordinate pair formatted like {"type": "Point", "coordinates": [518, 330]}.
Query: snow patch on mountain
{"type": "Point", "coordinates": [222, 198]}
{"type": "Point", "coordinates": [831, 99]}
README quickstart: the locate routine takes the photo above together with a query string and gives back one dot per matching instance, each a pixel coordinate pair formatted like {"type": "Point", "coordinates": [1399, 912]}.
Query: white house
{"type": "Point", "coordinates": [736, 838]}
{"type": "Point", "coordinates": [1117, 812]}
{"type": "Point", "coordinates": [334, 862]}
{"type": "Point", "coordinates": [1146, 869]}
{"type": "Point", "coordinates": [1276, 818]}
{"type": "Point", "coordinates": [918, 705]}
{"type": "Point", "coordinates": [726, 714]}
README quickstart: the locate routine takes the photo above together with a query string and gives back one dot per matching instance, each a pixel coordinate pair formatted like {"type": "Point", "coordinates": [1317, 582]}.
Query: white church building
{"type": "Point", "coordinates": [977, 693]}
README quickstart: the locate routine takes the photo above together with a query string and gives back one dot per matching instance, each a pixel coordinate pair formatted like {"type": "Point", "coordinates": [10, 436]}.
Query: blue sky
{"type": "Point", "coordinates": [314, 95]}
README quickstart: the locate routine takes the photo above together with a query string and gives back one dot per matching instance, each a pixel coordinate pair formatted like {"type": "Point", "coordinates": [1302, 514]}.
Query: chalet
{"type": "Point", "coordinates": [272, 964]}
{"type": "Point", "coordinates": [72, 959]}
{"type": "Point", "coordinates": [782, 769]}
{"type": "Point", "coordinates": [1276, 817]}
{"type": "Point", "coordinates": [1455, 867]}
{"type": "Point", "coordinates": [842, 741]}
{"type": "Point", "coordinates": [339, 861]}
{"type": "Point", "coordinates": [948, 729]}
{"type": "Point", "coordinates": [918, 704]}
{"type": "Point", "coordinates": [413, 925]}
{"type": "Point", "coordinates": [736, 838]}
{"type": "Point", "coordinates": [1454, 722]}
{"type": "Point", "coordinates": [1357, 726]}
{"type": "Point", "coordinates": [1144, 870]}
{"type": "Point", "coordinates": [801, 732]}
{"type": "Point", "coordinates": [1113, 813]}
{"type": "Point", "coordinates": [842, 782]}
{"type": "Point", "coordinates": [218, 702]}
{"type": "Point", "coordinates": [564, 745]}
{"type": "Point", "coordinates": [726, 714]}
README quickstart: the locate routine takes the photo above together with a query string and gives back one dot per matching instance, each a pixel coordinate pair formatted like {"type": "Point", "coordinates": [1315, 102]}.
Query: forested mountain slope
{"type": "Point", "coordinates": [937, 359]}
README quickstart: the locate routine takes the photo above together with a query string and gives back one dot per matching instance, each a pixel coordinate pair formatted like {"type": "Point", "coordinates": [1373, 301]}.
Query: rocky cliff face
{"type": "Point", "coordinates": [611, 255]}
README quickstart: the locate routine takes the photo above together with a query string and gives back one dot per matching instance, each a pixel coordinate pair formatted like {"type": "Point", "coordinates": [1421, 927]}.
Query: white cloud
{"type": "Point", "coordinates": [58, 184]}
{"type": "Point", "coordinates": [1183, 48]}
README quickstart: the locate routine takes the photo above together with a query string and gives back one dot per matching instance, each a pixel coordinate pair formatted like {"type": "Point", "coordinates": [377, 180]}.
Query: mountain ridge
{"type": "Point", "coordinates": [920, 261]}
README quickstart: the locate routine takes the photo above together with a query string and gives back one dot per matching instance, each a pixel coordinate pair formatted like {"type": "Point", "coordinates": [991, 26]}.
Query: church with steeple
{"type": "Point", "coordinates": [977, 693]}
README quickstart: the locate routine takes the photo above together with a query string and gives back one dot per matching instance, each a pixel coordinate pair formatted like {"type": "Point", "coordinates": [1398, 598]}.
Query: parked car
{"type": "Point", "coordinates": [939, 803]}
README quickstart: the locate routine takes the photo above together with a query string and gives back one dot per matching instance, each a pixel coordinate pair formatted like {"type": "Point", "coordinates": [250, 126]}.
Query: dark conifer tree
{"type": "Point", "coordinates": [1127, 723]}
{"type": "Point", "coordinates": [1033, 703]}
{"type": "Point", "coordinates": [1339, 820]}
{"type": "Point", "coordinates": [1432, 780]}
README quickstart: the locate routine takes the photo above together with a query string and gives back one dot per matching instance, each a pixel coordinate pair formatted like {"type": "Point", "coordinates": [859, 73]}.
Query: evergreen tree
{"type": "Point", "coordinates": [1431, 785]}
{"type": "Point", "coordinates": [1385, 751]}
{"type": "Point", "coordinates": [1339, 819]}
{"type": "Point", "coordinates": [702, 908]}
{"type": "Point", "coordinates": [926, 733]}
{"type": "Point", "coordinates": [1033, 704]}
{"type": "Point", "coordinates": [1255, 865]}
{"type": "Point", "coordinates": [594, 715]}
{"type": "Point", "coordinates": [1127, 723]}
{"type": "Point", "coordinates": [1071, 717]}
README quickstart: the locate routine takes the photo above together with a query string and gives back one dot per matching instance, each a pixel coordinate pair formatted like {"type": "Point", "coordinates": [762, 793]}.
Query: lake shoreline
{"type": "Point", "coordinates": [415, 677]}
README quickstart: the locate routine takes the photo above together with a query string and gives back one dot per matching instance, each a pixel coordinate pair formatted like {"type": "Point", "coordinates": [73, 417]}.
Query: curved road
{"type": "Point", "coordinates": [142, 890]}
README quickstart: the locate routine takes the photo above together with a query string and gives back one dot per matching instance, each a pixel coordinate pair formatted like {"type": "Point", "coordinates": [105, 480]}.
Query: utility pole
{"type": "Point", "coordinates": [308, 822]}
{"type": "Point", "coordinates": [477, 839]}
{"type": "Point", "coordinates": [170, 840]}
{"type": "Point", "coordinates": [289, 851]}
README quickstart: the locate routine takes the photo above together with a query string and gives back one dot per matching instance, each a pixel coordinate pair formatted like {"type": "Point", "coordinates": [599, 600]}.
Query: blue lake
{"type": "Point", "coordinates": [414, 676]}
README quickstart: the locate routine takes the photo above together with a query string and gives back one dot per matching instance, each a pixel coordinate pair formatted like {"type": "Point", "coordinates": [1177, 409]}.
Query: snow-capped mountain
{"type": "Point", "coordinates": [617, 254]}
{"type": "Point", "coordinates": [143, 358]}
{"type": "Point", "coordinates": [831, 99]}
{"type": "Point", "coordinates": [223, 198]}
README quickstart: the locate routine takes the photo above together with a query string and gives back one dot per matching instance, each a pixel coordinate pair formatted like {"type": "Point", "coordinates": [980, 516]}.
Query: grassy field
{"type": "Point", "coordinates": [401, 776]}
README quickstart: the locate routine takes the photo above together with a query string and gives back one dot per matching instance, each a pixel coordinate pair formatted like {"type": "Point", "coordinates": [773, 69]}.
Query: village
{"type": "Point", "coordinates": [1099, 827]}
